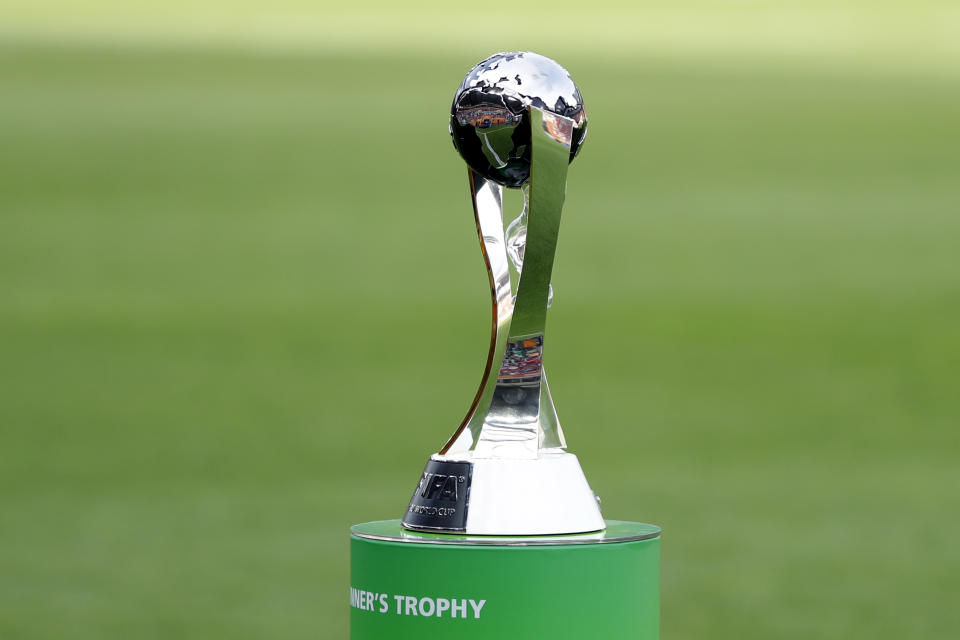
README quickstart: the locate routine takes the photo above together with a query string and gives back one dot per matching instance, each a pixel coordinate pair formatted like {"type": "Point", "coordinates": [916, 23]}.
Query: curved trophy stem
{"type": "Point", "coordinates": [512, 415]}
{"type": "Point", "coordinates": [488, 213]}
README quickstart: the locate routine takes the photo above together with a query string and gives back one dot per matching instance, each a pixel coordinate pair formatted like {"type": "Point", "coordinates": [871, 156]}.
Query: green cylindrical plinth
{"type": "Point", "coordinates": [419, 585]}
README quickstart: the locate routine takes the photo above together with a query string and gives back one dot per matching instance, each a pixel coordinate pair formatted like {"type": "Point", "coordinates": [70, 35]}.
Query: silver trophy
{"type": "Point", "coordinates": [518, 121]}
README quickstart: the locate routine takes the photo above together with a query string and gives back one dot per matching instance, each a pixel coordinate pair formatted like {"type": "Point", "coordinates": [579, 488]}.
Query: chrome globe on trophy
{"type": "Point", "coordinates": [503, 536]}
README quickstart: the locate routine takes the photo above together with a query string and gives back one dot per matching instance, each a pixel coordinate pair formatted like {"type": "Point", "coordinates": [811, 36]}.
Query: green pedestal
{"type": "Point", "coordinates": [419, 585]}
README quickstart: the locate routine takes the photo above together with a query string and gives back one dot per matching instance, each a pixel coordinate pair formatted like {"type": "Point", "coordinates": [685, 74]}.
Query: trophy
{"type": "Point", "coordinates": [503, 537]}
{"type": "Point", "coordinates": [518, 121]}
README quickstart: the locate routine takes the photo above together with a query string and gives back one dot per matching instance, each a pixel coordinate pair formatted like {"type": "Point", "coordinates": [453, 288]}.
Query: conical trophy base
{"type": "Point", "coordinates": [547, 495]}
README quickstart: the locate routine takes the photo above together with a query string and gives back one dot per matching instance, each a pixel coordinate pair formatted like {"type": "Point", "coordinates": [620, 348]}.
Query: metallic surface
{"type": "Point", "coordinates": [513, 415]}
{"type": "Point", "coordinates": [488, 118]}
{"type": "Point", "coordinates": [488, 212]}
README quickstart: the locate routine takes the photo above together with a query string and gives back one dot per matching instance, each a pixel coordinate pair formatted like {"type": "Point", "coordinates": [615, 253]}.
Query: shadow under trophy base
{"type": "Point", "coordinates": [503, 536]}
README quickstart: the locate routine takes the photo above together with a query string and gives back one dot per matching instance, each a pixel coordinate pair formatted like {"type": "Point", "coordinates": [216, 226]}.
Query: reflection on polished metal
{"type": "Point", "coordinates": [518, 120]}
{"type": "Point", "coordinates": [506, 421]}
{"type": "Point", "coordinates": [488, 120]}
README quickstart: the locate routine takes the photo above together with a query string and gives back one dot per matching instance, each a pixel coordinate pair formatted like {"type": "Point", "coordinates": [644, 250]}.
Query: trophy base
{"type": "Point", "coordinates": [405, 584]}
{"type": "Point", "coordinates": [546, 495]}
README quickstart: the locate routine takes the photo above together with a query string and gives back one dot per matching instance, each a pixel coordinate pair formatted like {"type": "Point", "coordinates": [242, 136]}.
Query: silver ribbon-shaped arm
{"type": "Point", "coordinates": [512, 415]}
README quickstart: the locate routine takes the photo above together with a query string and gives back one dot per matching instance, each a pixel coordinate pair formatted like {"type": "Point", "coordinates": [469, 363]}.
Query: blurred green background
{"type": "Point", "coordinates": [241, 301]}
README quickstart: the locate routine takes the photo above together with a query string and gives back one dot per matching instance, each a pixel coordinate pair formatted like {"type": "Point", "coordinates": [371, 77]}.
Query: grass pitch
{"type": "Point", "coordinates": [241, 300]}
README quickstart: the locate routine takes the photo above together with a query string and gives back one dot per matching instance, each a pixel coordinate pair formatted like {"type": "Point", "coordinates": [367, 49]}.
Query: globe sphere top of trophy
{"type": "Point", "coordinates": [518, 120]}
{"type": "Point", "coordinates": [489, 122]}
